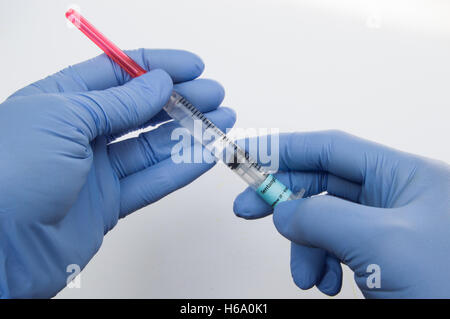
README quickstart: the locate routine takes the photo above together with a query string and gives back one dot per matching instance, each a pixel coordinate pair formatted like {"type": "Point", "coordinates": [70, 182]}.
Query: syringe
{"type": "Point", "coordinates": [187, 115]}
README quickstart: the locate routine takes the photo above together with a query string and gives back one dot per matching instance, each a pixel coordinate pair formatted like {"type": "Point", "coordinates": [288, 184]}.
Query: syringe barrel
{"type": "Point", "coordinates": [225, 150]}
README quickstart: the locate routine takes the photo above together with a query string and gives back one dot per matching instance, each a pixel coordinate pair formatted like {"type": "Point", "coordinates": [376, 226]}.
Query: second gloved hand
{"type": "Point", "coordinates": [386, 215]}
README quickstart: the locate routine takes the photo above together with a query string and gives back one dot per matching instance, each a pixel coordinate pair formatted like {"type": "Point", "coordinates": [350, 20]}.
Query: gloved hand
{"type": "Point", "coordinates": [63, 186]}
{"type": "Point", "coordinates": [386, 216]}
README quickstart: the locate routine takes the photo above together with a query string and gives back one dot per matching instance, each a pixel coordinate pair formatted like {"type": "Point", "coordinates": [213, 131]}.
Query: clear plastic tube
{"type": "Point", "coordinates": [224, 149]}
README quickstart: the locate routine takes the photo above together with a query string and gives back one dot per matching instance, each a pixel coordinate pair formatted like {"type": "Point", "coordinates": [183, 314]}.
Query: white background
{"type": "Point", "coordinates": [377, 69]}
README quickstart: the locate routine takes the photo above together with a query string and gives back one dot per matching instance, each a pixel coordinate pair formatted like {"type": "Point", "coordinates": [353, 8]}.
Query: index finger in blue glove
{"type": "Point", "coordinates": [331, 223]}
{"type": "Point", "coordinates": [134, 154]}
{"type": "Point", "coordinates": [204, 94]}
{"type": "Point", "coordinates": [101, 72]}
{"type": "Point", "coordinates": [339, 153]}
{"type": "Point", "coordinates": [335, 152]}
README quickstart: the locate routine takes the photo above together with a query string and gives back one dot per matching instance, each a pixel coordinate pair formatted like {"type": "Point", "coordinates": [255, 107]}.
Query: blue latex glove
{"type": "Point", "coordinates": [62, 186]}
{"type": "Point", "coordinates": [386, 216]}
